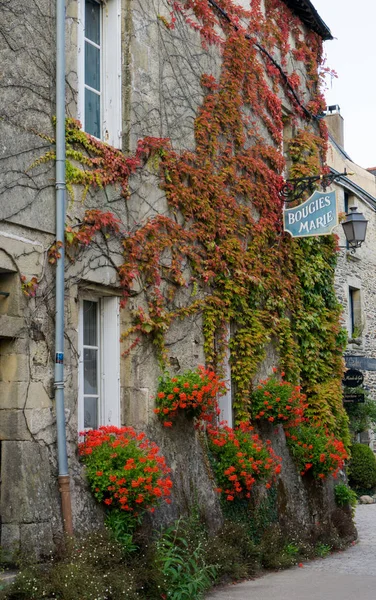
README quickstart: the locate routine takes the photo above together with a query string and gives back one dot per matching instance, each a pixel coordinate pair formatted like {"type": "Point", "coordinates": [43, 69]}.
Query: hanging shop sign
{"type": "Point", "coordinates": [355, 398]}
{"type": "Point", "coordinates": [352, 378]}
{"type": "Point", "coordinates": [361, 362]}
{"type": "Point", "coordinates": [316, 216]}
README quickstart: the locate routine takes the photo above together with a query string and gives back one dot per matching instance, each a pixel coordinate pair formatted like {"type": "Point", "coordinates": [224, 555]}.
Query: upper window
{"type": "Point", "coordinates": [99, 350]}
{"type": "Point", "coordinates": [99, 73]}
{"type": "Point", "coordinates": [93, 61]}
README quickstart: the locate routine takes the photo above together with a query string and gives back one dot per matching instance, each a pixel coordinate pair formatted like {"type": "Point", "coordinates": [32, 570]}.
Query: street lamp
{"type": "Point", "coordinates": [354, 226]}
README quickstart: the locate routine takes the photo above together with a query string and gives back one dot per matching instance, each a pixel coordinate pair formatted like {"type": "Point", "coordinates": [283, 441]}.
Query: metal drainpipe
{"type": "Point", "coordinates": [60, 185]}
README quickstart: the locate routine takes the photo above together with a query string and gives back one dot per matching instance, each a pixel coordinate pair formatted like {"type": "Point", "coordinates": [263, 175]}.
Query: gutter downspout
{"type": "Point", "coordinates": [60, 185]}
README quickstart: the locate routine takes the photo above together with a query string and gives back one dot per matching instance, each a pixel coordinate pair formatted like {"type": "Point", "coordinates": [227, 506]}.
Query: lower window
{"type": "Point", "coordinates": [99, 363]}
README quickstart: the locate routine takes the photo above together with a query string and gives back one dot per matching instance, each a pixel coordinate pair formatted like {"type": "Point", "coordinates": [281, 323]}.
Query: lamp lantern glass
{"type": "Point", "coordinates": [355, 227]}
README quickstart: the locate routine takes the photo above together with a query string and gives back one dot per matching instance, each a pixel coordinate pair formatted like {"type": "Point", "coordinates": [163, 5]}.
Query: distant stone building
{"type": "Point", "coordinates": [356, 273]}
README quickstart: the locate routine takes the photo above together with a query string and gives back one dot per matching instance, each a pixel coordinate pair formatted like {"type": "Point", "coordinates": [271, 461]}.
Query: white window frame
{"type": "Point", "coordinates": [111, 114]}
{"type": "Point", "coordinates": [108, 359]}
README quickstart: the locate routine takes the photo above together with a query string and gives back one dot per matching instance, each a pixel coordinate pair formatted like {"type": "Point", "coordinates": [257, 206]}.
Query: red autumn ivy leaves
{"type": "Point", "coordinates": [222, 238]}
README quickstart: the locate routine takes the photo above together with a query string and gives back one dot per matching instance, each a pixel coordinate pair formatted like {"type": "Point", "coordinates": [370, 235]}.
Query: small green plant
{"type": "Point", "coordinates": [357, 332]}
{"type": "Point", "coordinates": [322, 550]}
{"type": "Point", "coordinates": [362, 415]}
{"type": "Point", "coordinates": [276, 551]}
{"type": "Point", "coordinates": [255, 516]}
{"type": "Point", "coordinates": [234, 552]}
{"type": "Point", "coordinates": [344, 496]}
{"type": "Point", "coordinates": [182, 565]}
{"type": "Point", "coordinates": [92, 567]}
{"type": "Point", "coordinates": [291, 549]}
{"type": "Point", "coordinates": [362, 468]}
{"type": "Point", "coordinates": [118, 522]}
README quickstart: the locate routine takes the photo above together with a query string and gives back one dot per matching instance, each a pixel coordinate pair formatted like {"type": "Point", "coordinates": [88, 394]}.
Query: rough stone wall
{"type": "Point", "coordinates": [29, 507]}
{"type": "Point", "coordinates": [30, 504]}
{"type": "Point", "coordinates": [306, 507]}
{"type": "Point", "coordinates": [357, 270]}
{"type": "Point", "coordinates": [161, 94]}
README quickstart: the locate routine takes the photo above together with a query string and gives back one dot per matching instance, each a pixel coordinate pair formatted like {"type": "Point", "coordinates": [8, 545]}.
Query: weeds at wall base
{"type": "Point", "coordinates": [182, 561]}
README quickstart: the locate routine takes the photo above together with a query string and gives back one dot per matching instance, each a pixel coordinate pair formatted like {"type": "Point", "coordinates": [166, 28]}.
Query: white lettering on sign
{"type": "Point", "coordinates": [322, 221]}
{"type": "Point", "coordinates": [316, 216]}
{"type": "Point", "coordinates": [311, 208]}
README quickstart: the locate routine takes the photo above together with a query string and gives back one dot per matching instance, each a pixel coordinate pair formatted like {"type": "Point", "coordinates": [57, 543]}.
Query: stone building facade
{"type": "Point", "coordinates": [130, 74]}
{"type": "Point", "coordinates": [355, 281]}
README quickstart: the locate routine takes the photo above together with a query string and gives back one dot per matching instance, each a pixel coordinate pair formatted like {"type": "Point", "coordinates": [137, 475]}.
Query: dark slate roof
{"type": "Point", "coordinates": [354, 188]}
{"type": "Point", "coordinates": [310, 17]}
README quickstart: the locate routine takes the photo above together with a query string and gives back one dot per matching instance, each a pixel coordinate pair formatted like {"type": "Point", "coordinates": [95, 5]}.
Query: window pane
{"type": "Point", "coordinates": [92, 21]}
{"type": "Point", "coordinates": [90, 371]}
{"type": "Point", "coordinates": [90, 413]}
{"type": "Point", "coordinates": [90, 323]}
{"type": "Point", "coordinates": [92, 113]}
{"type": "Point", "coordinates": [92, 66]}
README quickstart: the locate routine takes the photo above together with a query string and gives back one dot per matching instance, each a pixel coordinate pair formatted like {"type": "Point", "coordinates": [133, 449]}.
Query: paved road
{"type": "Point", "coordinates": [349, 575]}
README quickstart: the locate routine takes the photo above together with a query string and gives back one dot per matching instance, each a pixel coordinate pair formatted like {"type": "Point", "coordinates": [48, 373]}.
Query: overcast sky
{"type": "Point", "coordinates": [352, 54]}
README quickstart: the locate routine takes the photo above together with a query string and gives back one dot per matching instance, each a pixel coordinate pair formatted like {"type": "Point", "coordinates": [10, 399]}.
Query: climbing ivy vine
{"type": "Point", "coordinates": [223, 238]}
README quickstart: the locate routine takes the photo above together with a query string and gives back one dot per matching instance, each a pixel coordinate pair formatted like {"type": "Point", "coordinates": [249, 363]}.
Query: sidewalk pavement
{"type": "Point", "coordinates": [341, 576]}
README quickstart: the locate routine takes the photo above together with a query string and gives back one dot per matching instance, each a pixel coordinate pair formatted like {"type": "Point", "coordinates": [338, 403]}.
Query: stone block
{"type": "Point", "coordinates": [25, 483]}
{"type": "Point", "coordinates": [17, 345]}
{"type": "Point", "coordinates": [13, 394]}
{"type": "Point", "coordinates": [39, 354]}
{"type": "Point", "coordinates": [11, 305]}
{"type": "Point", "coordinates": [36, 539]}
{"type": "Point", "coordinates": [29, 252]}
{"type": "Point", "coordinates": [13, 425]}
{"type": "Point", "coordinates": [10, 539]}
{"type": "Point", "coordinates": [136, 407]}
{"type": "Point", "coordinates": [14, 367]}
{"type": "Point", "coordinates": [40, 422]}
{"type": "Point", "coordinates": [6, 263]}
{"type": "Point", "coordinates": [72, 309]}
{"type": "Point", "coordinates": [11, 327]}
{"type": "Point", "coordinates": [141, 56]}
{"type": "Point", "coordinates": [37, 396]}
{"type": "Point", "coordinates": [366, 500]}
